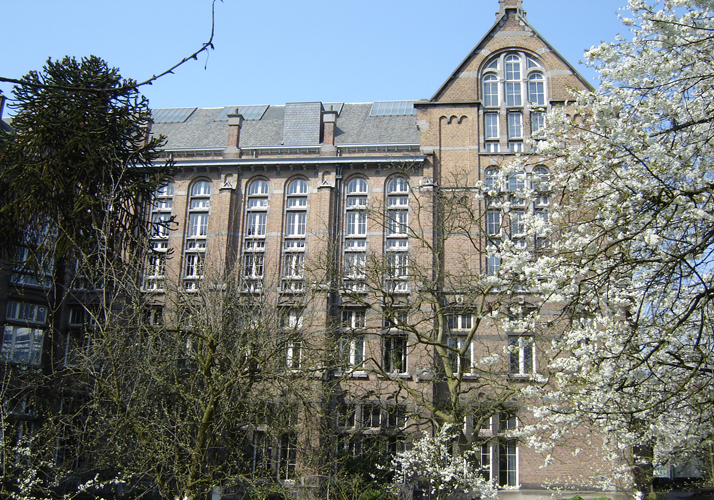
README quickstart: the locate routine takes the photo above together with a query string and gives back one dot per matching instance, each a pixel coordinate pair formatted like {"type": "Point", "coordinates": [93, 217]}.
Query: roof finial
{"type": "Point", "coordinates": [506, 5]}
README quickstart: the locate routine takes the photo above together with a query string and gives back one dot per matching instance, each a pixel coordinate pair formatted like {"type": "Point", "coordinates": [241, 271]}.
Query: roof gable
{"type": "Point", "coordinates": [510, 31]}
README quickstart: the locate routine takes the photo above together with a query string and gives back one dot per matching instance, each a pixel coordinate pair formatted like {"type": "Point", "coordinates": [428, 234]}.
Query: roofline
{"type": "Point", "coordinates": [327, 160]}
{"type": "Point", "coordinates": [488, 33]}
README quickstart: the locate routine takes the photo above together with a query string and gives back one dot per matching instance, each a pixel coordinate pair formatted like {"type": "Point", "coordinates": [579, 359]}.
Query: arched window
{"type": "Point", "coordinates": [513, 80]}
{"type": "Point", "coordinates": [490, 179]}
{"type": "Point", "coordinates": [355, 233]}
{"type": "Point", "coordinates": [294, 235]}
{"type": "Point", "coordinates": [254, 235]}
{"type": "Point", "coordinates": [197, 233]}
{"type": "Point", "coordinates": [536, 89]}
{"type": "Point", "coordinates": [397, 234]}
{"type": "Point", "coordinates": [490, 90]}
{"type": "Point", "coordinates": [161, 217]}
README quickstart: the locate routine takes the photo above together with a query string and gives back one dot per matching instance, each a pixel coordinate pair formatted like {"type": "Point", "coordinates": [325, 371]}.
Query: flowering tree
{"type": "Point", "coordinates": [432, 461]}
{"type": "Point", "coordinates": [634, 254]}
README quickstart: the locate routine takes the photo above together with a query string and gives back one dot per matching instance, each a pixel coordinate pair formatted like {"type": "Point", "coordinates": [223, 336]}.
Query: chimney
{"type": "Point", "coordinates": [235, 122]}
{"type": "Point", "coordinates": [507, 6]}
{"type": "Point", "coordinates": [329, 120]}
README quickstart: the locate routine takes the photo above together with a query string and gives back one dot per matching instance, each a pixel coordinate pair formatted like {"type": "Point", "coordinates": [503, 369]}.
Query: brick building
{"type": "Point", "coordinates": [371, 226]}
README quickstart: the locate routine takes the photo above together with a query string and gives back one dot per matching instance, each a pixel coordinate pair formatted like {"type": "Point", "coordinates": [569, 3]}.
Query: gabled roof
{"type": "Point", "coordinates": [501, 17]}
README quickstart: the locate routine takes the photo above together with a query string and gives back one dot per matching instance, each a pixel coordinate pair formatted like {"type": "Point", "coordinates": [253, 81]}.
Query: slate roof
{"type": "Point", "coordinates": [292, 124]}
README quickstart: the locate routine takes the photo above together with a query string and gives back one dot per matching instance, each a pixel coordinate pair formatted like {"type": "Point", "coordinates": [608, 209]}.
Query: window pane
{"type": "Point", "coordinates": [258, 187]}
{"type": "Point", "coordinates": [201, 188]}
{"type": "Point", "coordinates": [491, 127]}
{"type": "Point", "coordinates": [536, 89]}
{"type": "Point", "coordinates": [298, 186]}
{"type": "Point", "coordinates": [515, 125]}
{"type": "Point", "coordinates": [490, 90]}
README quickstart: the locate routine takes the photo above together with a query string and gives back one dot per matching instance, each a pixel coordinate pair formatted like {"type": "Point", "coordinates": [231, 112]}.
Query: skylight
{"type": "Point", "coordinates": [171, 115]}
{"type": "Point", "coordinates": [254, 112]}
{"type": "Point", "coordinates": [392, 108]}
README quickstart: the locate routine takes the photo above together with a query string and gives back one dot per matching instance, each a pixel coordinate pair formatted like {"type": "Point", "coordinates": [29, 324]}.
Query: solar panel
{"type": "Point", "coordinates": [171, 115]}
{"type": "Point", "coordinates": [392, 108]}
{"type": "Point", "coordinates": [254, 112]}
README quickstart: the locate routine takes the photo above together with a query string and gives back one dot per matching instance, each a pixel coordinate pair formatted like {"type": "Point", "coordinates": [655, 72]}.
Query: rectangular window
{"type": "Point", "coordinates": [493, 262]}
{"type": "Point", "coordinates": [293, 265]}
{"type": "Point", "coordinates": [397, 265]}
{"type": "Point", "coordinates": [356, 223]}
{"type": "Point", "coordinates": [493, 223]}
{"type": "Point", "coordinates": [460, 321]}
{"type": "Point", "coordinates": [491, 128]}
{"type": "Point", "coordinates": [515, 147]}
{"type": "Point", "coordinates": [395, 318]}
{"type": "Point", "coordinates": [160, 225]}
{"type": "Point", "coordinates": [507, 463]}
{"type": "Point", "coordinates": [198, 225]}
{"type": "Point", "coordinates": [513, 94]}
{"type": "Point", "coordinates": [352, 350]}
{"type": "Point", "coordinates": [521, 355]}
{"type": "Point", "coordinates": [256, 224]}
{"type": "Point", "coordinates": [396, 222]}
{"type": "Point", "coordinates": [253, 265]}
{"type": "Point", "coordinates": [515, 125]}
{"type": "Point", "coordinates": [394, 354]}
{"type": "Point", "coordinates": [371, 416]}
{"type": "Point", "coordinates": [460, 361]}
{"type": "Point", "coordinates": [293, 352]}
{"type": "Point", "coordinates": [518, 228]}
{"type": "Point", "coordinates": [22, 345]}
{"type": "Point", "coordinates": [537, 122]}
{"type": "Point", "coordinates": [287, 459]}
{"type": "Point", "coordinates": [353, 319]}
{"type": "Point", "coordinates": [493, 147]}
{"type": "Point", "coordinates": [295, 224]}
{"type": "Point", "coordinates": [346, 416]}
{"type": "Point", "coordinates": [194, 265]}
{"type": "Point", "coordinates": [32, 314]}
{"type": "Point", "coordinates": [355, 265]}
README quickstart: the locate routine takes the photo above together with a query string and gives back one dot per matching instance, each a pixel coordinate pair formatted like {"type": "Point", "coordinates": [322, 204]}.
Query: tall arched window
{"type": "Point", "coordinates": [154, 276]}
{"type": "Point", "coordinates": [490, 90]}
{"type": "Point", "coordinates": [254, 236]}
{"type": "Point", "coordinates": [397, 234]}
{"type": "Point", "coordinates": [197, 233]}
{"type": "Point", "coordinates": [355, 238]}
{"type": "Point", "coordinates": [294, 236]}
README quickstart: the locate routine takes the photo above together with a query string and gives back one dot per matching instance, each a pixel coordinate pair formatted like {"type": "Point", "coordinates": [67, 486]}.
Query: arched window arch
{"type": "Point", "coordinates": [258, 187]}
{"type": "Point", "coordinates": [357, 185]}
{"type": "Point", "coordinates": [294, 238]}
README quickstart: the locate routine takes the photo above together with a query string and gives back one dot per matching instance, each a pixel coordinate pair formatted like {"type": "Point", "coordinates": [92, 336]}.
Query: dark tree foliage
{"type": "Point", "coordinates": [79, 159]}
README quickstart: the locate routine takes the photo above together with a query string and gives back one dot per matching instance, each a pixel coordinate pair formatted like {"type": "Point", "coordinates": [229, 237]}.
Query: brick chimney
{"type": "Point", "coordinates": [329, 121]}
{"type": "Point", "coordinates": [235, 122]}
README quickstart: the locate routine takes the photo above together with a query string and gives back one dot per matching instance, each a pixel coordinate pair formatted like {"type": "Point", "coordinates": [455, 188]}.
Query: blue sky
{"type": "Point", "coordinates": [278, 51]}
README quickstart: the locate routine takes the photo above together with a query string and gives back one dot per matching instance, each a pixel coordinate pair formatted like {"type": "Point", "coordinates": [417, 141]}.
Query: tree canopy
{"type": "Point", "coordinates": [633, 257]}
{"type": "Point", "coordinates": [79, 157]}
